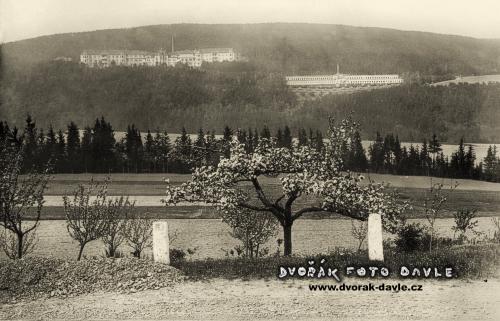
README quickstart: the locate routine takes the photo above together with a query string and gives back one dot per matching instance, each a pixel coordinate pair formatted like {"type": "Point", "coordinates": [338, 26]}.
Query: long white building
{"type": "Point", "coordinates": [343, 80]}
{"type": "Point", "coordinates": [192, 58]}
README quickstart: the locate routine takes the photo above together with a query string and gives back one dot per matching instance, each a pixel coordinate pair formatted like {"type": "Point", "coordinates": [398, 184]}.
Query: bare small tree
{"type": "Point", "coordinates": [138, 232]}
{"type": "Point", "coordinates": [359, 229]}
{"type": "Point", "coordinates": [8, 243]}
{"type": "Point", "coordinates": [433, 205]}
{"type": "Point", "coordinates": [496, 232]}
{"type": "Point", "coordinates": [464, 222]}
{"type": "Point", "coordinates": [115, 216]}
{"type": "Point", "coordinates": [21, 202]}
{"type": "Point", "coordinates": [85, 218]}
{"type": "Point", "coordinates": [252, 229]}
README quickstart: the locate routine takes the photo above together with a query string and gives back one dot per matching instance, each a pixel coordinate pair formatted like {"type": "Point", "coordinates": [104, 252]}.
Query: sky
{"type": "Point", "coordinates": [22, 19]}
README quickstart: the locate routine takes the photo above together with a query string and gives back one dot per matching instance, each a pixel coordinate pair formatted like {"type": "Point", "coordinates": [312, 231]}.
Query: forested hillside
{"type": "Point", "coordinates": [284, 47]}
{"type": "Point", "coordinates": [418, 111]}
{"type": "Point", "coordinates": [241, 96]}
{"type": "Point", "coordinates": [253, 94]}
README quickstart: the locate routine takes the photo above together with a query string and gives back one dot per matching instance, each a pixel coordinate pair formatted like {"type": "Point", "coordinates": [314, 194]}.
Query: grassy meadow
{"type": "Point", "coordinates": [148, 189]}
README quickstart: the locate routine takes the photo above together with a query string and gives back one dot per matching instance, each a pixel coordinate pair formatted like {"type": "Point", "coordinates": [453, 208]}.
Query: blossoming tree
{"type": "Point", "coordinates": [313, 176]}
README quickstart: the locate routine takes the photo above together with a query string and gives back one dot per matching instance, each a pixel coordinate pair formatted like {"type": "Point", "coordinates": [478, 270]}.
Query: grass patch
{"type": "Point", "coordinates": [472, 261]}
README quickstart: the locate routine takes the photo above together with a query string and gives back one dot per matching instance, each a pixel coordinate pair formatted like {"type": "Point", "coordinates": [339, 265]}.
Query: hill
{"type": "Point", "coordinates": [254, 94]}
{"type": "Point", "coordinates": [296, 48]}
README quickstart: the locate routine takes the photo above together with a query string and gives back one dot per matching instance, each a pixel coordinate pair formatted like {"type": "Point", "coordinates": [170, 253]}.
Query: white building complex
{"type": "Point", "coordinates": [343, 80]}
{"type": "Point", "coordinates": [192, 58]}
{"type": "Point", "coordinates": [310, 87]}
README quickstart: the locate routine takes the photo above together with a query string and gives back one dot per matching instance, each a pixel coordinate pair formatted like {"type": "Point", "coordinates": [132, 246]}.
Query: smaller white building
{"type": "Point", "coordinates": [218, 54]}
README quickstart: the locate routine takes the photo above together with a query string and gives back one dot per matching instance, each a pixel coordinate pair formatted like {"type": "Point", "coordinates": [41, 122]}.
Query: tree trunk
{"type": "Point", "coordinates": [111, 251]}
{"type": "Point", "coordinates": [287, 238]}
{"type": "Point", "coordinates": [20, 237]}
{"type": "Point", "coordinates": [81, 251]}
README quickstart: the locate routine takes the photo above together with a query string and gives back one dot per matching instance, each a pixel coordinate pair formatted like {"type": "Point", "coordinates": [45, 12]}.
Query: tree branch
{"type": "Point", "coordinates": [272, 210]}
{"type": "Point", "coordinates": [260, 193]}
{"type": "Point", "coordinates": [278, 200]}
{"type": "Point", "coordinates": [290, 200]}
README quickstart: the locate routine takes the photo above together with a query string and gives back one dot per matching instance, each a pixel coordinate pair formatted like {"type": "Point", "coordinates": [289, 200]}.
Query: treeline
{"type": "Point", "coordinates": [96, 149]}
{"type": "Point", "coordinates": [491, 166]}
{"type": "Point", "coordinates": [240, 95]}
{"type": "Point", "coordinates": [388, 156]}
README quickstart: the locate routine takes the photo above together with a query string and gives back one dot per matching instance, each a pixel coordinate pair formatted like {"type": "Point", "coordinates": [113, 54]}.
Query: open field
{"type": "Point", "coordinates": [153, 184]}
{"type": "Point", "coordinates": [147, 190]}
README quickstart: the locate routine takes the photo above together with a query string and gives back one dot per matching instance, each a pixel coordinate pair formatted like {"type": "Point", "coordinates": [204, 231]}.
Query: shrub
{"type": "Point", "coordinates": [177, 256]}
{"type": "Point", "coordinates": [410, 238]}
{"type": "Point", "coordinates": [439, 241]}
{"type": "Point", "coordinates": [414, 237]}
{"type": "Point", "coordinates": [252, 229]}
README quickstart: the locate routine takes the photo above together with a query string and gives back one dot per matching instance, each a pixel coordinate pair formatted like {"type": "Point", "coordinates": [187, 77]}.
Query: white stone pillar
{"type": "Point", "coordinates": [375, 249]}
{"type": "Point", "coordinates": [160, 242]}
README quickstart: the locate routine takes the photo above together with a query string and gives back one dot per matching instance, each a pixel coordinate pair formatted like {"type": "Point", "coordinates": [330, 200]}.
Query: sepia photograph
{"type": "Point", "coordinates": [249, 160]}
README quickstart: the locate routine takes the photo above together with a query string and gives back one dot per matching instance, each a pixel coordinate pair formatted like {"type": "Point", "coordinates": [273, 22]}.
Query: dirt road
{"type": "Point", "coordinates": [273, 300]}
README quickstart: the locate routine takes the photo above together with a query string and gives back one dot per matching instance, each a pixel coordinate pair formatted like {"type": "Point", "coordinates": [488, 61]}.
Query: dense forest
{"type": "Point", "coordinates": [418, 111]}
{"type": "Point", "coordinates": [97, 150]}
{"type": "Point", "coordinates": [239, 94]}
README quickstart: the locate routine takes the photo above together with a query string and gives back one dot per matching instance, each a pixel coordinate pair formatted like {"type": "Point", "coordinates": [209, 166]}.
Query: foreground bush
{"type": "Point", "coordinates": [468, 261]}
{"type": "Point", "coordinates": [45, 277]}
{"type": "Point", "coordinates": [415, 237]}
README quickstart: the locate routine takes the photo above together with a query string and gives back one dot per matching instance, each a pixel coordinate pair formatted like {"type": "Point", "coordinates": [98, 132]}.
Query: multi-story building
{"type": "Point", "coordinates": [192, 58]}
{"type": "Point", "coordinates": [107, 58]}
{"type": "Point", "coordinates": [218, 54]}
{"type": "Point", "coordinates": [342, 80]}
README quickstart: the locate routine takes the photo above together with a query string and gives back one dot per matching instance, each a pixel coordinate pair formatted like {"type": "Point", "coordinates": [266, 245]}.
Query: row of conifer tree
{"type": "Point", "coordinates": [96, 149]}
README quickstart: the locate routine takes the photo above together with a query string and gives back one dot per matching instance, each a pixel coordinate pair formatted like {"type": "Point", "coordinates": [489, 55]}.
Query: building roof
{"type": "Point", "coordinates": [342, 76]}
{"type": "Point", "coordinates": [212, 50]}
{"type": "Point", "coordinates": [117, 52]}
{"type": "Point", "coordinates": [149, 53]}
{"type": "Point", "coordinates": [184, 52]}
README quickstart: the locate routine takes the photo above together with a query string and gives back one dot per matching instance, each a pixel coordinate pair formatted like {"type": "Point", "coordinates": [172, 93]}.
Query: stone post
{"type": "Point", "coordinates": [375, 249]}
{"type": "Point", "coordinates": [161, 250]}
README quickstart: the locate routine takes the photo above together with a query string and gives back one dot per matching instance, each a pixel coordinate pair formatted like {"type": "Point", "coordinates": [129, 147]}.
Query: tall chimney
{"type": "Point", "coordinates": [338, 69]}
{"type": "Point", "coordinates": [172, 43]}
